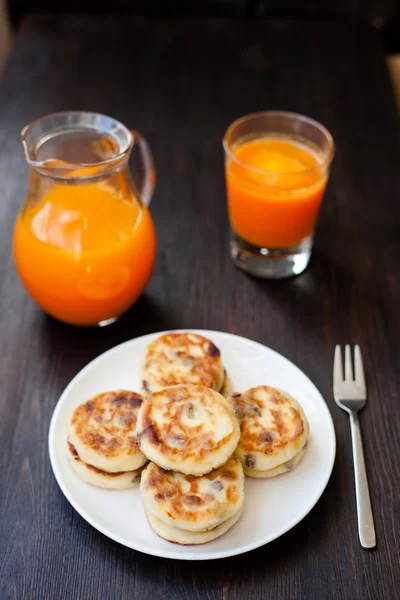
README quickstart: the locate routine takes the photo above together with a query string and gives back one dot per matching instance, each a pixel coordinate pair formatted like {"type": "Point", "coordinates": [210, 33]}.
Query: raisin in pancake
{"type": "Point", "coordinates": [193, 503]}
{"type": "Point", "coordinates": [187, 428]}
{"type": "Point", "coordinates": [181, 358]}
{"type": "Point", "coordinates": [187, 538]}
{"type": "Point", "coordinates": [279, 470]}
{"type": "Point", "coordinates": [103, 431]}
{"type": "Point", "coordinates": [274, 430]}
{"type": "Point", "coordinates": [99, 478]}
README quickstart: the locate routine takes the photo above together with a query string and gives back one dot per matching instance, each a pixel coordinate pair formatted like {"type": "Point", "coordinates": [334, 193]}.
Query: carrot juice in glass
{"type": "Point", "coordinates": [277, 167]}
{"type": "Point", "coordinates": [84, 240]}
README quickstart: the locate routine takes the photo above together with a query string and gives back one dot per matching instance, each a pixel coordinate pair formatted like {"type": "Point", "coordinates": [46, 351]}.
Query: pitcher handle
{"type": "Point", "coordinates": [145, 167]}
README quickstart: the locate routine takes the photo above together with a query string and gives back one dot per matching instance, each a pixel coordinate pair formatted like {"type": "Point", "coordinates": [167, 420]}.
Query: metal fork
{"type": "Point", "coordinates": [351, 394]}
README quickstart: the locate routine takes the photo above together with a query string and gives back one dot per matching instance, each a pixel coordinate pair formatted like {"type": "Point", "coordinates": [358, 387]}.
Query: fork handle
{"type": "Point", "coordinates": [366, 528]}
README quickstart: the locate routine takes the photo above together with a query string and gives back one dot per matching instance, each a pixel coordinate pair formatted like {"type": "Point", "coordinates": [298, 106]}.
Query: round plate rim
{"type": "Point", "coordinates": [172, 554]}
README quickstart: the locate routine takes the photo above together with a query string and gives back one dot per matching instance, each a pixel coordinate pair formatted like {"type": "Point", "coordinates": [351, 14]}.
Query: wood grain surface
{"type": "Point", "coordinates": [181, 83]}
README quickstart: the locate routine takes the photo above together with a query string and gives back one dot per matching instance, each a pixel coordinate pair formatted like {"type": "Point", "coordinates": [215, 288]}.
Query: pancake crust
{"type": "Point", "coordinates": [186, 428]}
{"type": "Point", "coordinates": [188, 538]}
{"type": "Point", "coordinates": [193, 503]}
{"type": "Point", "coordinates": [103, 431]}
{"type": "Point", "coordinates": [273, 427]}
{"type": "Point", "coordinates": [279, 470]}
{"type": "Point", "coordinates": [181, 358]}
{"type": "Point", "coordinates": [94, 476]}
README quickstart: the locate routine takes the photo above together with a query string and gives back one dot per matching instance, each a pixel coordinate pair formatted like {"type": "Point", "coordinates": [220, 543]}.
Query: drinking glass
{"type": "Point", "coordinates": [277, 167]}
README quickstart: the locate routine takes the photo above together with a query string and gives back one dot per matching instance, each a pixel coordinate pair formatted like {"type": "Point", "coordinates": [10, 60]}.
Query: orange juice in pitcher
{"type": "Point", "coordinates": [84, 241]}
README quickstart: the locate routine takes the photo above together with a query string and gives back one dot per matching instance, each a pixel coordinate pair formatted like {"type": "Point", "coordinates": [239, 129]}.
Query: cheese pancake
{"type": "Point", "coordinates": [103, 431]}
{"type": "Point", "coordinates": [279, 470]}
{"type": "Point", "coordinates": [188, 538]}
{"type": "Point", "coordinates": [273, 427]}
{"type": "Point", "coordinates": [187, 428]}
{"type": "Point", "coordinates": [193, 503]}
{"type": "Point", "coordinates": [181, 358]}
{"type": "Point", "coordinates": [94, 476]}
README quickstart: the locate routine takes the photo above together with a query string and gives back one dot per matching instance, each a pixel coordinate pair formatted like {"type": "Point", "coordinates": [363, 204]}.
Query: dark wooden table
{"type": "Point", "coordinates": [181, 84]}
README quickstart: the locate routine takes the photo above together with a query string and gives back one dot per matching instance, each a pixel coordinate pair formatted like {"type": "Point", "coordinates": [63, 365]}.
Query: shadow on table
{"type": "Point", "coordinates": [146, 316]}
{"type": "Point", "coordinates": [332, 299]}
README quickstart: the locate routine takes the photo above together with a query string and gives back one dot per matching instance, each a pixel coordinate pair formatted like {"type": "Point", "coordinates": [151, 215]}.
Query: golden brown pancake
{"type": "Point", "coordinates": [103, 431]}
{"type": "Point", "coordinates": [176, 358]}
{"type": "Point", "coordinates": [99, 478]}
{"type": "Point", "coordinates": [187, 428]}
{"type": "Point", "coordinates": [279, 470]}
{"type": "Point", "coordinates": [273, 430]}
{"type": "Point", "coordinates": [189, 538]}
{"type": "Point", "coordinates": [193, 503]}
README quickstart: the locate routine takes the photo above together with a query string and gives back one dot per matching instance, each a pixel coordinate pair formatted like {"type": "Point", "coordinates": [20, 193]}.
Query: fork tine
{"type": "Point", "coordinates": [337, 367]}
{"type": "Point", "coordinates": [358, 367]}
{"type": "Point", "coordinates": [348, 367]}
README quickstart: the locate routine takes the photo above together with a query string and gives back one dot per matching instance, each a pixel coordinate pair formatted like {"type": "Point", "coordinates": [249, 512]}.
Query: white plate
{"type": "Point", "coordinates": [272, 506]}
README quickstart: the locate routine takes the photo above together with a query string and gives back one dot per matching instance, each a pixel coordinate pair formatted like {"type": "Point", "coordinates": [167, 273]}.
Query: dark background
{"type": "Point", "coordinates": [383, 15]}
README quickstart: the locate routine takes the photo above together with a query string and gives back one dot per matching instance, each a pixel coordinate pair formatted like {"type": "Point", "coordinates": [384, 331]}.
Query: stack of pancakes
{"type": "Point", "coordinates": [193, 510]}
{"type": "Point", "coordinates": [273, 431]}
{"type": "Point", "coordinates": [177, 358]}
{"type": "Point", "coordinates": [102, 442]}
{"type": "Point", "coordinates": [193, 490]}
{"type": "Point", "coordinates": [200, 444]}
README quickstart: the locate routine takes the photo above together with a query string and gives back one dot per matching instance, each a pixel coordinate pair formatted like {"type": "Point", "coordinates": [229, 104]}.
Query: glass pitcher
{"type": "Point", "coordinates": [84, 241]}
